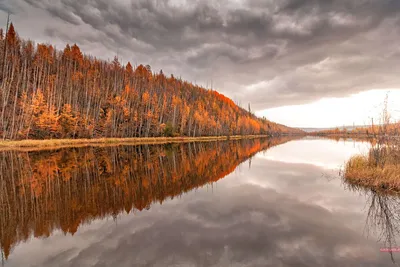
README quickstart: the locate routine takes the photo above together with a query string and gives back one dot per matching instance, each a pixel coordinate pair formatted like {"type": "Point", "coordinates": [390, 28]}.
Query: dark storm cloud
{"type": "Point", "coordinates": [269, 53]}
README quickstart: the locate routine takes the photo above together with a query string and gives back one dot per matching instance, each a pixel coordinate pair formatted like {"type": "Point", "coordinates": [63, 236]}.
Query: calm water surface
{"type": "Point", "coordinates": [276, 202]}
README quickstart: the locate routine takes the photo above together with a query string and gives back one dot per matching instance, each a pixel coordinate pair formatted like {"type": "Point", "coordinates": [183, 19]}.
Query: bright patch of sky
{"type": "Point", "coordinates": [331, 112]}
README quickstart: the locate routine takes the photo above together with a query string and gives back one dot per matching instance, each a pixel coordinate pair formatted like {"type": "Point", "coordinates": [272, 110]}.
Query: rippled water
{"type": "Point", "coordinates": [264, 202]}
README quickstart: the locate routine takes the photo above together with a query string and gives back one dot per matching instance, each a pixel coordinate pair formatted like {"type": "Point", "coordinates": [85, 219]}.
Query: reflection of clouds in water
{"type": "Point", "coordinates": [272, 214]}
{"type": "Point", "coordinates": [323, 153]}
{"type": "Point", "coordinates": [306, 183]}
{"type": "Point", "coordinates": [238, 226]}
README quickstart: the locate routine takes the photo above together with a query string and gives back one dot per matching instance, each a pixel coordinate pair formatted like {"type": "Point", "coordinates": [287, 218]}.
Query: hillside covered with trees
{"type": "Point", "coordinates": [46, 93]}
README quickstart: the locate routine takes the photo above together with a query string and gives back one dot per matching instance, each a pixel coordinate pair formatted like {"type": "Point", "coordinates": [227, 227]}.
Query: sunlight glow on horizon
{"type": "Point", "coordinates": [357, 109]}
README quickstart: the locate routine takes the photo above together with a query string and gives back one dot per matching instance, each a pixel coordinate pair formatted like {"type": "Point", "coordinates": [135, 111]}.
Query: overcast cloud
{"type": "Point", "coordinates": [269, 53]}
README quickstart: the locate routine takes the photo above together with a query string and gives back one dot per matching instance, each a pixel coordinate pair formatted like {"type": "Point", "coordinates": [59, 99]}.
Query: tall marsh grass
{"type": "Point", "coordinates": [379, 169]}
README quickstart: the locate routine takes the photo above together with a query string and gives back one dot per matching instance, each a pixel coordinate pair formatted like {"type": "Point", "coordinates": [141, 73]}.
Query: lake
{"type": "Point", "coordinates": [259, 202]}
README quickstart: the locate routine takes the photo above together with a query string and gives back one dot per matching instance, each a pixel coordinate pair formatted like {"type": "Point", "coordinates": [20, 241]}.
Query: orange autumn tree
{"type": "Point", "coordinates": [68, 122]}
{"type": "Point", "coordinates": [44, 117]}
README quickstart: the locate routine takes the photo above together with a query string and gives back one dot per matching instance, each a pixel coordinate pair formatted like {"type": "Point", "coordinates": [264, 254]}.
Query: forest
{"type": "Point", "coordinates": [43, 191]}
{"type": "Point", "coordinates": [48, 93]}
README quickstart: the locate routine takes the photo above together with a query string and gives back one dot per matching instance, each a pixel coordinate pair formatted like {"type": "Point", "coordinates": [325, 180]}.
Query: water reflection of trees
{"type": "Point", "coordinates": [61, 189]}
{"type": "Point", "coordinates": [383, 215]}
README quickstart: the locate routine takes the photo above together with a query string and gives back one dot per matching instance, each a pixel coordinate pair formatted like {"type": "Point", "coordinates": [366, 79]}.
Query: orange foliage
{"type": "Point", "coordinates": [108, 99]}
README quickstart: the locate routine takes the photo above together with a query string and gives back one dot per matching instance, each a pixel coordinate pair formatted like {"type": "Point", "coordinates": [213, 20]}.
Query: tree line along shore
{"type": "Point", "coordinates": [48, 93]}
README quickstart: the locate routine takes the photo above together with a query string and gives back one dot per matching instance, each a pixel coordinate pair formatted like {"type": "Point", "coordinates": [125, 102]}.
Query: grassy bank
{"type": "Point", "coordinates": [379, 170]}
{"type": "Point", "coordinates": [60, 143]}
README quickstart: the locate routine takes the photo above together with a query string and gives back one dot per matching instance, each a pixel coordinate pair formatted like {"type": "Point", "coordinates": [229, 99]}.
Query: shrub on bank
{"type": "Point", "coordinates": [379, 169]}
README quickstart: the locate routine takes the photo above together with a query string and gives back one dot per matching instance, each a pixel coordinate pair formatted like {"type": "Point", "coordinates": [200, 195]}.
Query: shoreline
{"type": "Point", "coordinates": [373, 184]}
{"type": "Point", "coordinates": [48, 144]}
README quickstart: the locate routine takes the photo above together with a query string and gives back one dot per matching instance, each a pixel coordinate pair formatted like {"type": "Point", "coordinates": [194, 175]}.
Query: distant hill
{"type": "Point", "coordinates": [49, 93]}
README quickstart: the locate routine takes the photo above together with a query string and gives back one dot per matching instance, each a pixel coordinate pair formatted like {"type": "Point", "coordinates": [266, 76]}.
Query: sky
{"type": "Point", "coordinates": [303, 63]}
